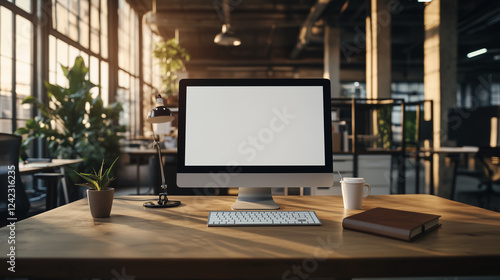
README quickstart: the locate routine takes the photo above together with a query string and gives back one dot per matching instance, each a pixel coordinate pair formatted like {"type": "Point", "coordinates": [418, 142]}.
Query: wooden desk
{"type": "Point", "coordinates": [175, 243]}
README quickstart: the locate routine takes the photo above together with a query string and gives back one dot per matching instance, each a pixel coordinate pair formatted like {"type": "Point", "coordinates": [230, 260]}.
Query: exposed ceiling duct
{"type": "Point", "coordinates": [306, 31]}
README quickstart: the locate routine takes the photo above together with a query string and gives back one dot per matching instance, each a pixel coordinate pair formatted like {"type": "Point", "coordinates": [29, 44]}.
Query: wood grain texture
{"type": "Point", "coordinates": [176, 243]}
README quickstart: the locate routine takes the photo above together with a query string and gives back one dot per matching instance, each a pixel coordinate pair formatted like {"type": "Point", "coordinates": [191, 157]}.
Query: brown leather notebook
{"type": "Point", "coordinates": [404, 225]}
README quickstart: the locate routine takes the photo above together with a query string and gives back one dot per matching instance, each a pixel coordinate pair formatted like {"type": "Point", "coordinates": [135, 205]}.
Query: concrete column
{"type": "Point", "coordinates": [378, 50]}
{"type": "Point", "coordinates": [332, 56]}
{"type": "Point", "coordinates": [440, 76]}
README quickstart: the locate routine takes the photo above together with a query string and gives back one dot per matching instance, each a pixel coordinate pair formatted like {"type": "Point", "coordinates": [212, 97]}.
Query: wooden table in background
{"type": "Point", "coordinates": [31, 168]}
{"type": "Point", "coordinates": [175, 243]}
{"type": "Point", "coordinates": [454, 154]}
{"type": "Point", "coordinates": [37, 167]}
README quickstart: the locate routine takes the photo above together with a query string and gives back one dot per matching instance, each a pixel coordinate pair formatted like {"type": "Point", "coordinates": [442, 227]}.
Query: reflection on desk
{"type": "Point", "coordinates": [176, 243]}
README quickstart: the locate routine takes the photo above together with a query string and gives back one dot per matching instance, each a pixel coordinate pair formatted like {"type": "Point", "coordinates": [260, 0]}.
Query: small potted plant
{"type": "Point", "coordinates": [99, 194]}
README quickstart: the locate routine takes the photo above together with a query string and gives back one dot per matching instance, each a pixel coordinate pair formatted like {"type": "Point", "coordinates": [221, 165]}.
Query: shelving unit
{"type": "Point", "coordinates": [373, 145]}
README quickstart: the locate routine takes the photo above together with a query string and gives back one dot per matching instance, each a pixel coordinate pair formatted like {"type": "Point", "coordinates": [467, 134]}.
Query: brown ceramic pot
{"type": "Point", "coordinates": [100, 202]}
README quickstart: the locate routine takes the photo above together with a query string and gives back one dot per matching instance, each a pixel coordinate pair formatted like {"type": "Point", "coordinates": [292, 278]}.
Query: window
{"type": "Point", "coordinates": [16, 64]}
{"type": "Point", "coordinates": [84, 23]}
{"type": "Point", "coordinates": [495, 94]}
{"type": "Point", "coordinates": [78, 28]}
{"type": "Point", "coordinates": [128, 61]}
{"type": "Point", "coordinates": [150, 67]}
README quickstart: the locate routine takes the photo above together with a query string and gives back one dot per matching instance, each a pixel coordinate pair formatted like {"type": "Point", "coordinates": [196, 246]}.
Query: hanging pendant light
{"type": "Point", "coordinates": [226, 37]}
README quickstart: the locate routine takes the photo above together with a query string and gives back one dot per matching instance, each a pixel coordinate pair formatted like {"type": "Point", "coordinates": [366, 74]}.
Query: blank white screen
{"type": "Point", "coordinates": [254, 126]}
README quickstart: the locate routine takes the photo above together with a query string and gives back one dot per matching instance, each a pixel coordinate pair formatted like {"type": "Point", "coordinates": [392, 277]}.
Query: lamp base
{"type": "Point", "coordinates": [162, 202]}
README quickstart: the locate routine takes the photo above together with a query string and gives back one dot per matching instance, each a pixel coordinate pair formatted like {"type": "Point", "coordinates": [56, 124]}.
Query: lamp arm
{"type": "Point", "coordinates": [163, 182]}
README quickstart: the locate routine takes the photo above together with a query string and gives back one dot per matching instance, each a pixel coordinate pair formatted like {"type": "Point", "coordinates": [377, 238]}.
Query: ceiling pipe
{"type": "Point", "coordinates": [306, 34]}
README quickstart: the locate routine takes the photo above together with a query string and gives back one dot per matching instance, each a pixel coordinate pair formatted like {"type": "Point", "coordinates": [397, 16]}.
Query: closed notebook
{"type": "Point", "coordinates": [404, 225]}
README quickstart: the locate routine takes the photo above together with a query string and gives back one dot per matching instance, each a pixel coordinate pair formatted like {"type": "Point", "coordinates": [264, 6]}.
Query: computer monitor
{"type": "Point", "coordinates": [254, 134]}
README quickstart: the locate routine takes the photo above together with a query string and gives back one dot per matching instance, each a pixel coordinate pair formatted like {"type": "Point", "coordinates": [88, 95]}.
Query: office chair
{"type": "Point", "coordinates": [489, 159]}
{"type": "Point", "coordinates": [9, 161]}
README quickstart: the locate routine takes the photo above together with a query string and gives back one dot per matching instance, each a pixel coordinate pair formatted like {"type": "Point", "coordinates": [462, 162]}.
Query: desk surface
{"type": "Point", "coordinates": [176, 243]}
{"type": "Point", "coordinates": [41, 166]}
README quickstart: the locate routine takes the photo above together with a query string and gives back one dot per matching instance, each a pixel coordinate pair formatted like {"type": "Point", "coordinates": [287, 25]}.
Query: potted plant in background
{"type": "Point", "coordinates": [99, 194]}
{"type": "Point", "coordinates": [75, 123]}
{"type": "Point", "coordinates": [171, 57]}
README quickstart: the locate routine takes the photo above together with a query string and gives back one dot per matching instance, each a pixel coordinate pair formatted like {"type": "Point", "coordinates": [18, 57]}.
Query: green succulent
{"type": "Point", "coordinates": [98, 180]}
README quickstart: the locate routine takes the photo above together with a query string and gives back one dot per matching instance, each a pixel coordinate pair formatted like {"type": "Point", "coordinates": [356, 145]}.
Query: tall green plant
{"type": "Point", "coordinates": [385, 127]}
{"type": "Point", "coordinates": [76, 124]}
{"type": "Point", "coordinates": [171, 57]}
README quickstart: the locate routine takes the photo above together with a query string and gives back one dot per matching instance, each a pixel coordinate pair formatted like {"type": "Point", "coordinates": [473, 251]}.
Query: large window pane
{"type": "Point", "coordinates": [94, 74]}
{"type": "Point", "coordinates": [6, 74]}
{"type": "Point", "coordinates": [60, 16]}
{"type": "Point", "coordinates": [94, 27]}
{"type": "Point", "coordinates": [5, 106]}
{"type": "Point", "coordinates": [123, 96]}
{"type": "Point", "coordinates": [94, 70]}
{"type": "Point", "coordinates": [73, 53]}
{"type": "Point", "coordinates": [5, 125]}
{"type": "Point", "coordinates": [23, 74]}
{"type": "Point", "coordinates": [146, 54]}
{"type": "Point", "coordinates": [5, 33]}
{"type": "Point", "coordinates": [23, 111]}
{"type": "Point", "coordinates": [104, 28]}
{"type": "Point", "coordinates": [73, 26]}
{"type": "Point", "coordinates": [61, 59]}
{"type": "Point", "coordinates": [105, 82]}
{"type": "Point", "coordinates": [16, 65]}
{"type": "Point", "coordinates": [128, 44]}
{"type": "Point", "coordinates": [25, 5]}
{"type": "Point", "coordinates": [24, 40]}
{"type": "Point", "coordinates": [84, 34]}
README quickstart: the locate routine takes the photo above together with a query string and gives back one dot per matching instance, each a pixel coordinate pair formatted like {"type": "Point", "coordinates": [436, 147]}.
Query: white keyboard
{"type": "Point", "coordinates": [262, 218]}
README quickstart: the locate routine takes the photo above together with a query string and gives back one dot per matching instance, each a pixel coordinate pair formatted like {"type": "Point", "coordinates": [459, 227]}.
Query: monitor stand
{"type": "Point", "coordinates": [255, 199]}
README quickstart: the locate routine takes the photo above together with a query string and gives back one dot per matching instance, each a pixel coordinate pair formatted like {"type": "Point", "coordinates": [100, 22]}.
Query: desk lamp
{"type": "Point", "coordinates": [160, 114]}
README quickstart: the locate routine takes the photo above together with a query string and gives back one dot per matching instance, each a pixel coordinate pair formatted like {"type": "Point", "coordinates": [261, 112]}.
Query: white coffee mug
{"type": "Point", "coordinates": [352, 192]}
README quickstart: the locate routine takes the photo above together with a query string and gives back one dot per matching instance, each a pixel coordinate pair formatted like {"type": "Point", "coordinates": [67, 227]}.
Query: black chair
{"type": "Point", "coordinates": [489, 159]}
{"type": "Point", "coordinates": [11, 181]}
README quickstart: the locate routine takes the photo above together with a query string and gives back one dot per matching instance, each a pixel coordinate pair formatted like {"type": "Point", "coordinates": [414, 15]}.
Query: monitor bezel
{"type": "Point", "coordinates": [184, 83]}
